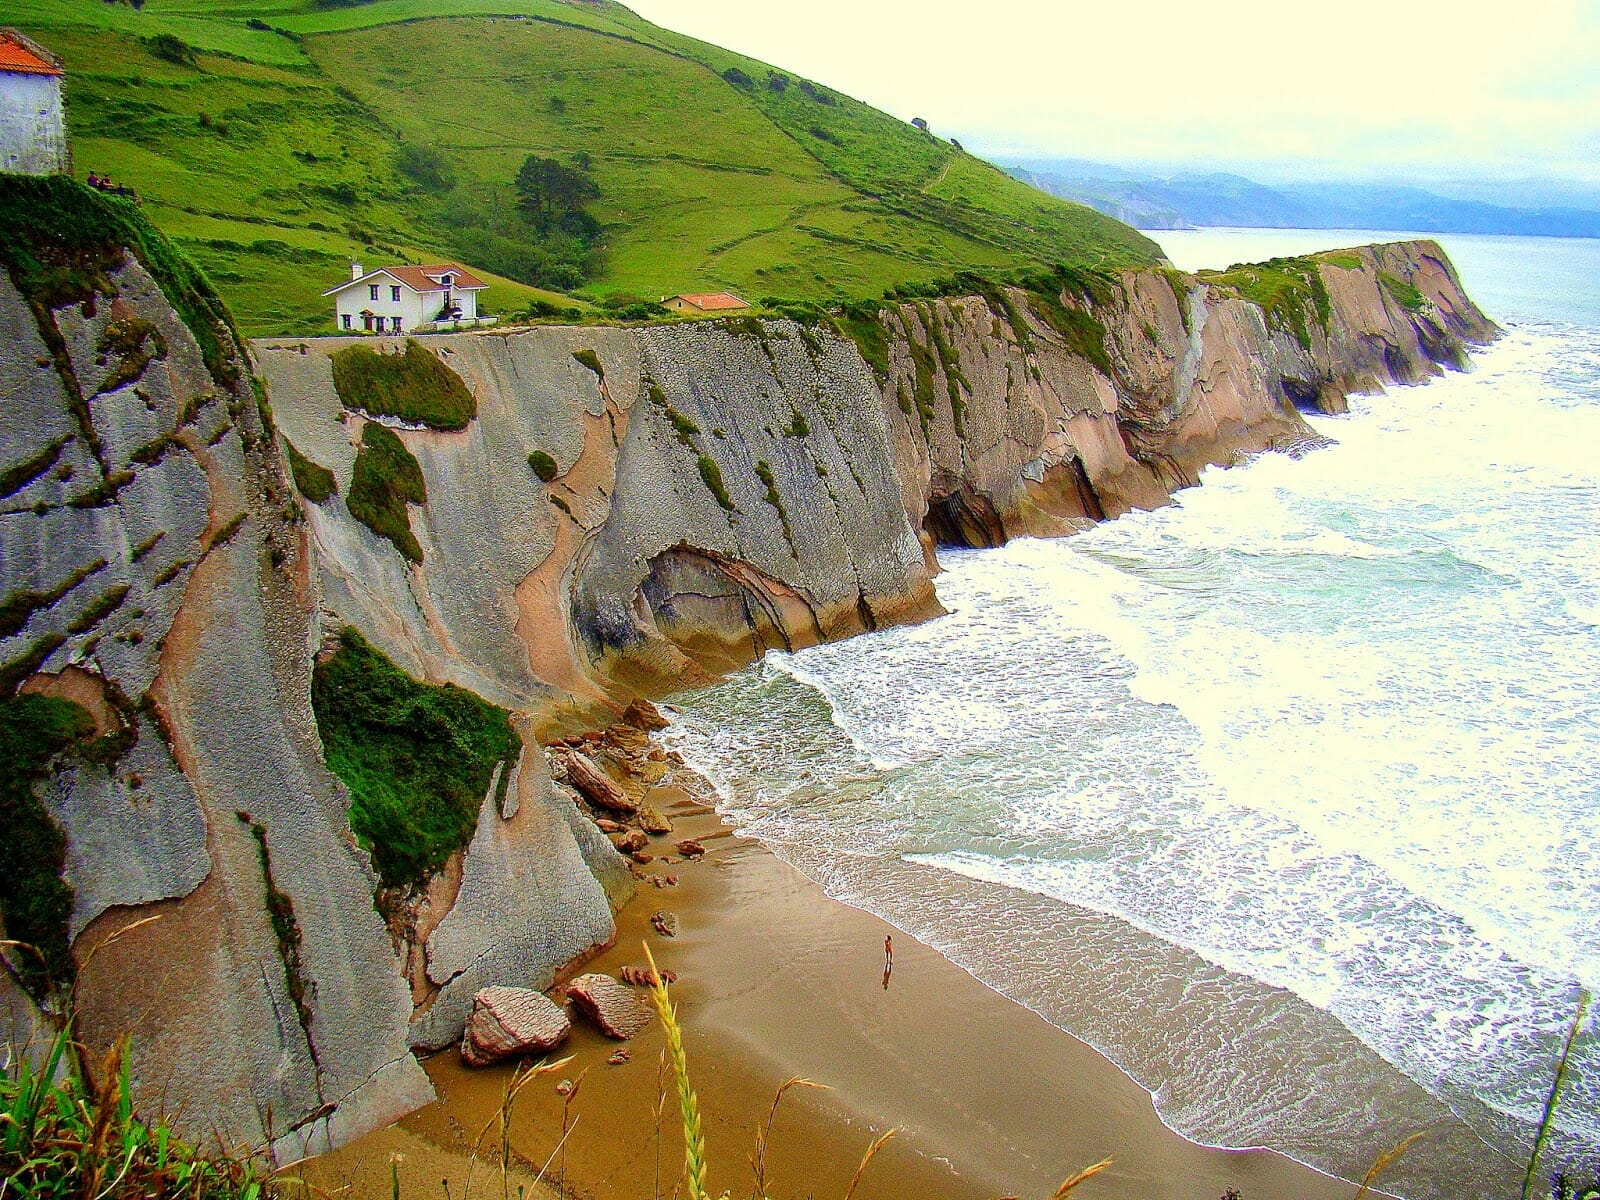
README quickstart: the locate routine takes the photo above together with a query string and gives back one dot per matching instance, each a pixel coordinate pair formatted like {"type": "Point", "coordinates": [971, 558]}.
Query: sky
{"type": "Point", "coordinates": [1381, 89]}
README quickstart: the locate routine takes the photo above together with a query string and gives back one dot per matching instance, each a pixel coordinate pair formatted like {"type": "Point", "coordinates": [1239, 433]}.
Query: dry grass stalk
{"type": "Point", "coordinates": [520, 1079]}
{"type": "Point", "coordinates": [1087, 1173]}
{"type": "Point", "coordinates": [569, 1092]}
{"type": "Point", "coordinates": [759, 1160]}
{"type": "Point", "coordinates": [661, 1108]}
{"type": "Point", "coordinates": [1383, 1162]}
{"type": "Point", "coordinates": [871, 1153]}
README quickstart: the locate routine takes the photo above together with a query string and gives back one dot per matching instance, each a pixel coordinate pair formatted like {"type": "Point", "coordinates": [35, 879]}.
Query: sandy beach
{"type": "Point", "coordinates": [777, 980]}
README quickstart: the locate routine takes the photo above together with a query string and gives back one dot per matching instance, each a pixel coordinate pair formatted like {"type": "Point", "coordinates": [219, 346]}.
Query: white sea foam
{"type": "Point", "coordinates": [1328, 723]}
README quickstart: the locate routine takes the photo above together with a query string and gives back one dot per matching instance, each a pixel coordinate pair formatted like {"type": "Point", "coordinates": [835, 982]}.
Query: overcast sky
{"type": "Point", "coordinates": [1389, 88]}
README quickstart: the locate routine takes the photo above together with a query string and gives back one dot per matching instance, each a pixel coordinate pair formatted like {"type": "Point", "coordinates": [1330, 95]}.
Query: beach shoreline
{"type": "Point", "coordinates": [775, 980]}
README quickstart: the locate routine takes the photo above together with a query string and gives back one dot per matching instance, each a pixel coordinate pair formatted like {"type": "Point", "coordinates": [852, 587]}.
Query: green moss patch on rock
{"type": "Point", "coordinates": [417, 758]}
{"type": "Point", "coordinates": [590, 360]}
{"type": "Point", "coordinates": [34, 900]}
{"type": "Point", "coordinates": [764, 473]}
{"type": "Point", "coordinates": [386, 478]}
{"type": "Point", "coordinates": [543, 466]}
{"type": "Point", "coordinates": [711, 476]}
{"type": "Point", "coordinates": [1289, 292]}
{"type": "Point", "coordinates": [412, 385]}
{"type": "Point", "coordinates": [313, 481]}
{"type": "Point", "coordinates": [1405, 294]}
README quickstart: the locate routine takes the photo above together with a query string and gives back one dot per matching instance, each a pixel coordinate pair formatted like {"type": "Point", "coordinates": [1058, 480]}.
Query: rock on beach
{"type": "Point", "coordinates": [614, 1007]}
{"type": "Point", "coordinates": [507, 1021]}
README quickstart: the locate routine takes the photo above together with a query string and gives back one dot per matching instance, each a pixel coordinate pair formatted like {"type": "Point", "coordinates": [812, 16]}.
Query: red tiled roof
{"type": "Point", "coordinates": [426, 279]}
{"type": "Point", "coordinates": [419, 279]}
{"type": "Point", "coordinates": [19, 60]}
{"type": "Point", "coordinates": [711, 301]}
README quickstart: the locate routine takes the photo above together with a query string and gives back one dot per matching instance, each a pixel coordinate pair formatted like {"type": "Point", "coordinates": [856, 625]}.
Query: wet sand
{"type": "Point", "coordinates": [778, 980]}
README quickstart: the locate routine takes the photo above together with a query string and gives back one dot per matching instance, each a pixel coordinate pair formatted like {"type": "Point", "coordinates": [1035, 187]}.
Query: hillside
{"type": "Point", "coordinates": [296, 136]}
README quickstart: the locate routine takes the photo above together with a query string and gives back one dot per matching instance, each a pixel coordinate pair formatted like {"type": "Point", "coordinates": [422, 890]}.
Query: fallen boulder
{"type": "Point", "coordinates": [615, 1008]}
{"type": "Point", "coordinates": [690, 848]}
{"type": "Point", "coordinates": [641, 714]}
{"type": "Point", "coordinates": [652, 820]}
{"type": "Point", "coordinates": [508, 1021]}
{"type": "Point", "coordinates": [597, 787]}
{"type": "Point", "coordinates": [629, 842]}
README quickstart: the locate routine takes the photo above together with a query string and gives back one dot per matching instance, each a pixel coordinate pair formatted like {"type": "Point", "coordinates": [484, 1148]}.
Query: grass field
{"type": "Point", "coordinates": [272, 159]}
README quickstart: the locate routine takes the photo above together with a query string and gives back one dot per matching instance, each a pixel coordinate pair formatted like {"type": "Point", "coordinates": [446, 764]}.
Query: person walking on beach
{"type": "Point", "coordinates": [888, 960]}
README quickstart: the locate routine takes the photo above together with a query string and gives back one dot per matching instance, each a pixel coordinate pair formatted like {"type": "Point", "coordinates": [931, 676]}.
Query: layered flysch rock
{"type": "Point", "coordinates": [154, 571]}
{"type": "Point", "coordinates": [626, 511]}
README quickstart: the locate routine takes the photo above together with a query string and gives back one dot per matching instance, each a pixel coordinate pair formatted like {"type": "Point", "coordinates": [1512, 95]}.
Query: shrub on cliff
{"type": "Point", "coordinates": [386, 478]}
{"type": "Point", "coordinates": [34, 901]}
{"type": "Point", "coordinates": [412, 385]}
{"type": "Point", "coordinates": [313, 481]}
{"type": "Point", "coordinates": [417, 758]}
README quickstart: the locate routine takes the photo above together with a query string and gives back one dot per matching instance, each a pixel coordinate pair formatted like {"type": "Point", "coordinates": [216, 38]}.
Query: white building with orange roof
{"type": "Point", "coordinates": [33, 119]}
{"type": "Point", "coordinates": [407, 299]}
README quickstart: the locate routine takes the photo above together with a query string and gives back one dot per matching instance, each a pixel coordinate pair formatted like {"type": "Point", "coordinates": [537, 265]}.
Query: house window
{"type": "Point", "coordinates": [394, 293]}
{"type": "Point", "coordinates": [449, 282]}
{"type": "Point", "coordinates": [379, 320]}
{"type": "Point", "coordinates": [395, 321]}
{"type": "Point", "coordinates": [347, 322]}
{"type": "Point", "coordinates": [372, 291]}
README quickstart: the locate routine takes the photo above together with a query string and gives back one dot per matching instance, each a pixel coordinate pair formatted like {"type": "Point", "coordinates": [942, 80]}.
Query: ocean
{"type": "Point", "coordinates": [1283, 797]}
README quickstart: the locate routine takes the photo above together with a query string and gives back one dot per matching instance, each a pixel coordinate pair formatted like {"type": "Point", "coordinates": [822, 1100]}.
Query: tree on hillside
{"type": "Point", "coordinates": [549, 190]}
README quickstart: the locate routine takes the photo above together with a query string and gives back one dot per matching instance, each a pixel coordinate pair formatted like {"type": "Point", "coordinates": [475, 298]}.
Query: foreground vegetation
{"type": "Point", "coordinates": [63, 1135]}
{"type": "Point", "coordinates": [277, 139]}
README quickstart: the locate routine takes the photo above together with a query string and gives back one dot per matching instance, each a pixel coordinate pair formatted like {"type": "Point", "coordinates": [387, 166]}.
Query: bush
{"type": "Point", "coordinates": [311, 480]}
{"type": "Point", "coordinates": [417, 758]}
{"type": "Point", "coordinates": [34, 901]}
{"type": "Point", "coordinates": [738, 78]}
{"type": "Point", "coordinates": [591, 360]}
{"type": "Point", "coordinates": [412, 385]}
{"type": "Point", "coordinates": [543, 466]}
{"type": "Point", "coordinates": [386, 478]}
{"type": "Point", "coordinates": [170, 48]}
{"type": "Point", "coordinates": [425, 166]}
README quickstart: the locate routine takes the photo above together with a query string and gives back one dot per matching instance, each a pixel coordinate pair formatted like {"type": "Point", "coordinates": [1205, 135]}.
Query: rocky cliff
{"type": "Point", "coordinates": [556, 521]}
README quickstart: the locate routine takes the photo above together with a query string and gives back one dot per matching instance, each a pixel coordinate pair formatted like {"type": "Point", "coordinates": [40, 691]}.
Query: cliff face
{"type": "Point", "coordinates": [1018, 431]}
{"type": "Point", "coordinates": [623, 511]}
{"type": "Point", "coordinates": [155, 571]}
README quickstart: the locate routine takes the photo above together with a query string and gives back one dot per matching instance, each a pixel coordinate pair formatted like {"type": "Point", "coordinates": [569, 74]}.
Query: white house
{"type": "Point", "coordinates": [33, 120]}
{"type": "Point", "coordinates": [407, 299]}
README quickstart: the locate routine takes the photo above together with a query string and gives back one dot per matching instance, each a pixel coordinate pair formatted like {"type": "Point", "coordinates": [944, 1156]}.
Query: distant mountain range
{"type": "Point", "coordinates": [1185, 201]}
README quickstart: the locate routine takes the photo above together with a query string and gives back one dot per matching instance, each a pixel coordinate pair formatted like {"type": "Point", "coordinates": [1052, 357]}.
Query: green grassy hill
{"type": "Point", "coordinates": [277, 153]}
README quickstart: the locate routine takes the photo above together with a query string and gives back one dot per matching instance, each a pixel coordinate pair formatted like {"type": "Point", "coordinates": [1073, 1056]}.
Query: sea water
{"type": "Point", "coordinates": [1286, 796]}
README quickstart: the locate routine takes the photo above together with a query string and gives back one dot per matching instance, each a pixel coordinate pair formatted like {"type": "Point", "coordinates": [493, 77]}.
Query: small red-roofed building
{"type": "Point", "coordinates": [33, 119]}
{"type": "Point", "coordinates": [704, 302]}
{"type": "Point", "coordinates": [407, 299]}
